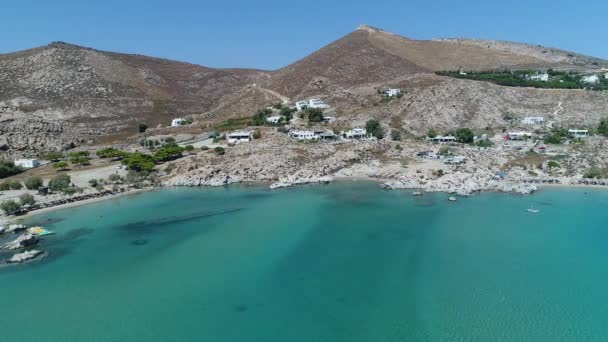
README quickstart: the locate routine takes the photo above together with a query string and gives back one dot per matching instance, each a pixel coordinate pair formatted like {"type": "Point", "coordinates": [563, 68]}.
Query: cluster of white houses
{"type": "Point", "coordinates": [311, 103]}
{"type": "Point", "coordinates": [533, 120]}
{"type": "Point", "coordinates": [356, 133]}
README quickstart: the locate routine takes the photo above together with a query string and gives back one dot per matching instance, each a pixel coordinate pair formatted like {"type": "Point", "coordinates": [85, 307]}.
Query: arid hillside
{"type": "Point", "coordinates": [62, 95]}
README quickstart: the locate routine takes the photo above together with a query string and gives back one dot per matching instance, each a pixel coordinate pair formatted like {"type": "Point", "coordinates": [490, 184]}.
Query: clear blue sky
{"type": "Point", "coordinates": [269, 34]}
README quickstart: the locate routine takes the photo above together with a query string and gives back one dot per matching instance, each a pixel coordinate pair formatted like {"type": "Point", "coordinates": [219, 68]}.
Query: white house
{"type": "Point", "coordinates": [273, 119]}
{"type": "Point", "coordinates": [578, 133]}
{"type": "Point", "coordinates": [177, 122]}
{"type": "Point", "coordinates": [27, 163]}
{"type": "Point", "coordinates": [303, 135]}
{"type": "Point", "coordinates": [539, 77]}
{"type": "Point", "coordinates": [392, 92]}
{"type": "Point", "coordinates": [591, 79]}
{"type": "Point", "coordinates": [519, 135]}
{"type": "Point", "coordinates": [239, 136]}
{"type": "Point", "coordinates": [329, 119]}
{"type": "Point", "coordinates": [439, 138]}
{"type": "Point", "coordinates": [355, 133]}
{"type": "Point", "coordinates": [606, 75]}
{"type": "Point", "coordinates": [533, 120]}
{"type": "Point", "coordinates": [311, 103]}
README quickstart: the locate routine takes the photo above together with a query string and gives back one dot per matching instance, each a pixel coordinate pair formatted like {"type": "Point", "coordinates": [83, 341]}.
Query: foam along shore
{"type": "Point", "coordinates": [291, 181]}
{"type": "Point", "coordinates": [67, 202]}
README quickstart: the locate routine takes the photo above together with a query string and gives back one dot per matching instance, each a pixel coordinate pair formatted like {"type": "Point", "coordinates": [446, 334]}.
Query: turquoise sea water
{"type": "Point", "coordinates": [343, 262]}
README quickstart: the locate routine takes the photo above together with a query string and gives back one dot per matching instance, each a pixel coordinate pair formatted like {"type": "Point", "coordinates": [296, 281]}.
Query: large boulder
{"type": "Point", "coordinates": [25, 240]}
{"type": "Point", "coordinates": [25, 256]}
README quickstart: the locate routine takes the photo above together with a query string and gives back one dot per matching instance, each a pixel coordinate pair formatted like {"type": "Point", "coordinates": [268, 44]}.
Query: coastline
{"type": "Point", "coordinates": [338, 179]}
{"type": "Point", "coordinates": [33, 213]}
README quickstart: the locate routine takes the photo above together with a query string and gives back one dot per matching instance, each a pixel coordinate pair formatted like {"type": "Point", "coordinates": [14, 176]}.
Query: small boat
{"type": "Point", "coordinates": [532, 210]}
{"type": "Point", "coordinates": [452, 199]}
{"type": "Point", "coordinates": [39, 231]}
{"type": "Point", "coordinates": [416, 193]}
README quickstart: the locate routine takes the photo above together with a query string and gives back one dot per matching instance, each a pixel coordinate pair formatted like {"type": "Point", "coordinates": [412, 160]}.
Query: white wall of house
{"type": "Point", "coordinates": [439, 138]}
{"type": "Point", "coordinates": [539, 77]}
{"type": "Point", "coordinates": [273, 119]}
{"type": "Point", "coordinates": [533, 120]}
{"type": "Point", "coordinates": [303, 135]}
{"type": "Point", "coordinates": [578, 133]}
{"type": "Point", "coordinates": [591, 79]}
{"type": "Point", "coordinates": [519, 135]}
{"type": "Point", "coordinates": [392, 92]}
{"type": "Point", "coordinates": [355, 133]}
{"type": "Point", "coordinates": [177, 122]}
{"type": "Point", "coordinates": [239, 136]}
{"type": "Point", "coordinates": [27, 163]}
{"type": "Point", "coordinates": [311, 103]}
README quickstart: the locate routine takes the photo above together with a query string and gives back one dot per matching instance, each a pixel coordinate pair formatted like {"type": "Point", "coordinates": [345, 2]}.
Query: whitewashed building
{"type": "Point", "coordinates": [544, 77]}
{"type": "Point", "coordinates": [329, 119]}
{"type": "Point", "coordinates": [392, 92]}
{"type": "Point", "coordinates": [533, 120]}
{"type": "Point", "coordinates": [311, 103]}
{"type": "Point", "coordinates": [274, 119]}
{"type": "Point", "coordinates": [519, 135]}
{"type": "Point", "coordinates": [443, 139]}
{"type": "Point", "coordinates": [303, 135]}
{"type": "Point", "coordinates": [27, 163]}
{"type": "Point", "coordinates": [578, 133]}
{"type": "Point", "coordinates": [177, 122]}
{"type": "Point", "coordinates": [591, 79]}
{"type": "Point", "coordinates": [239, 136]}
{"type": "Point", "coordinates": [355, 133]}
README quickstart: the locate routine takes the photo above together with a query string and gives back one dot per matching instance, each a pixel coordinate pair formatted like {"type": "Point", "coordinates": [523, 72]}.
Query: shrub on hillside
{"type": "Point", "coordinates": [33, 183]}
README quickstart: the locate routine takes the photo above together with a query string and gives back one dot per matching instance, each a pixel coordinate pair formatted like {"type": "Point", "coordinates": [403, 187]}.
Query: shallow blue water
{"type": "Point", "coordinates": [344, 262]}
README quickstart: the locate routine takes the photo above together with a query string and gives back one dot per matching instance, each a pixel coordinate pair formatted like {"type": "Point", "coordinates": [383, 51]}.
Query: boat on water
{"type": "Point", "coordinates": [532, 210]}
{"type": "Point", "coordinates": [39, 231]}
{"type": "Point", "coordinates": [416, 193]}
{"type": "Point", "coordinates": [452, 199]}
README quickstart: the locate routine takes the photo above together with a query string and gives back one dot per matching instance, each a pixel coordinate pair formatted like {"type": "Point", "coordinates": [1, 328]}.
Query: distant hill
{"type": "Point", "coordinates": [62, 94]}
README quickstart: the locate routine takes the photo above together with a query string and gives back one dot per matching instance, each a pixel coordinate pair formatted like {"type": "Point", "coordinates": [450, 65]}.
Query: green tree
{"type": "Point", "coordinates": [142, 127]}
{"type": "Point", "coordinates": [315, 114]}
{"type": "Point", "coordinates": [432, 133]}
{"type": "Point", "coordinates": [80, 160]}
{"type": "Point", "coordinates": [10, 207]}
{"type": "Point", "coordinates": [189, 148]}
{"type": "Point", "coordinates": [219, 150]}
{"type": "Point", "coordinates": [16, 185]}
{"type": "Point", "coordinates": [61, 166]}
{"type": "Point", "coordinates": [60, 182]}
{"type": "Point", "coordinates": [53, 156]}
{"type": "Point", "coordinates": [395, 135]}
{"type": "Point", "coordinates": [168, 153]}
{"type": "Point", "coordinates": [139, 161]}
{"type": "Point", "coordinates": [110, 152]}
{"type": "Point", "coordinates": [259, 119]}
{"type": "Point", "coordinates": [374, 128]}
{"type": "Point", "coordinates": [465, 135]}
{"type": "Point", "coordinates": [257, 134]}
{"type": "Point", "coordinates": [114, 178]}
{"type": "Point", "coordinates": [5, 186]}
{"type": "Point", "coordinates": [27, 199]}
{"type": "Point", "coordinates": [93, 182]}
{"type": "Point", "coordinates": [553, 164]}
{"type": "Point", "coordinates": [33, 183]}
{"type": "Point", "coordinates": [8, 168]}
{"type": "Point", "coordinates": [602, 128]}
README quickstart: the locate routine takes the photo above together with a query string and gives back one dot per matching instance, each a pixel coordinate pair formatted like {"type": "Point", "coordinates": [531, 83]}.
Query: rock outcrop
{"type": "Point", "coordinates": [25, 240]}
{"type": "Point", "coordinates": [25, 256]}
